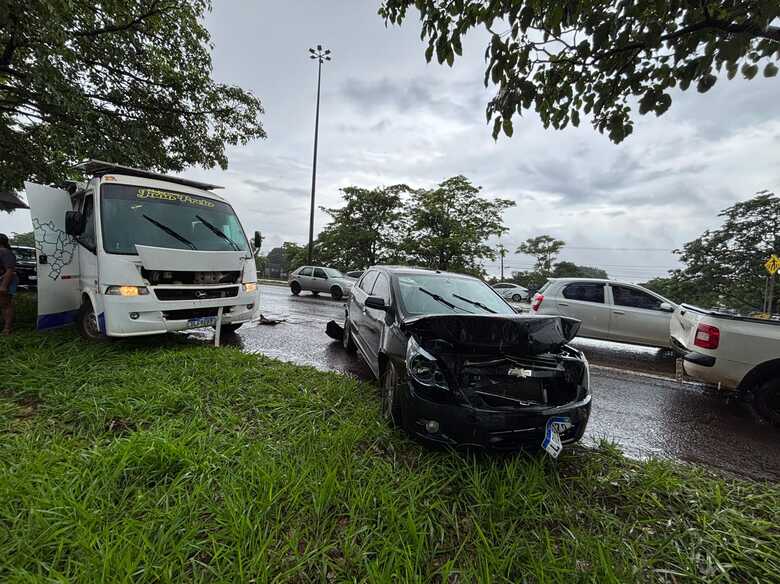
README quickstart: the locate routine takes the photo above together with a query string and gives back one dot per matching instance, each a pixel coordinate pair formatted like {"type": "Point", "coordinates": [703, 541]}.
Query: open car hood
{"type": "Point", "coordinates": [506, 334]}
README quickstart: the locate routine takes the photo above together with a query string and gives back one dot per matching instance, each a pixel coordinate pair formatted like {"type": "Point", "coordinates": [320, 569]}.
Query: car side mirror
{"type": "Point", "coordinates": [74, 223]}
{"type": "Point", "coordinates": [258, 240]}
{"type": "Point", "coordinates": [377, 303]}
{"type": "Point", "coordinates": [666, 307]}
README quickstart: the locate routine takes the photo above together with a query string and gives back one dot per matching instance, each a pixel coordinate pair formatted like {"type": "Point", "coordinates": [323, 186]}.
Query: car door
{"type": "Point", "coordinates": [586, 301]}
{"type": "Point", "coordinates": [374, 319]}
{"type": "Point", "coordinates": [305, 278]}
{"type": "Point", "coordinates": [637, 317]}
{"type": "Point", "coordinates": [320, 280]}
{"type": "Point", "coordinates": [358, 311]}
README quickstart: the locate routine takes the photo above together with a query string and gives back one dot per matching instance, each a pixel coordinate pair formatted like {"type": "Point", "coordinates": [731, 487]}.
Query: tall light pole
{"type": "Point", "coordinates": [321, 56]}
{"type": "Point", "coordinates": [502, 253]}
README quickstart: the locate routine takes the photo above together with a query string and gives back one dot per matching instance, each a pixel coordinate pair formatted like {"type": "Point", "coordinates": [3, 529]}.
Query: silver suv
{"type": "Point", "coordinates": [316, 279]}
{"type": "Point", "coordinates": [608, 310]}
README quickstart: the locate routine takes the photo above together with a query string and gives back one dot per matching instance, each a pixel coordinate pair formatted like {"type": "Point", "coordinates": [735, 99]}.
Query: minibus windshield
{"type": "Point", "coordinates": [133, 215]}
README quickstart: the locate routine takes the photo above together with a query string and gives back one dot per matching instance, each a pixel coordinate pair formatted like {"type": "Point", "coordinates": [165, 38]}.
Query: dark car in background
{"type": "Point", "coordinates": [458, 366]}
{"type": "Point", "coordinates": [26, 266]}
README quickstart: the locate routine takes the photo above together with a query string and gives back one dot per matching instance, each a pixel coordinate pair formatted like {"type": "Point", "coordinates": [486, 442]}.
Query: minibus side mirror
{"type": "Point", "coordinates": [74, 223]}
{"type": "Point", "coordinates": [258, 241]}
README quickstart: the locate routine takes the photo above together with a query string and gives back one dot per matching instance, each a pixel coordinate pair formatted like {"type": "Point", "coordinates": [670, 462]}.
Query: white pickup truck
{"type": "Point", "coordinates": [739, 354]}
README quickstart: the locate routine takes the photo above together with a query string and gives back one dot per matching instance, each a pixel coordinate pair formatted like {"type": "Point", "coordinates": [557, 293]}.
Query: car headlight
{"type": "Point", "coordinates": [423, 368]}
{"type": "Point", "coordinates": [127, 291]}
{"type": "Point", "coordinates": [250, 287]}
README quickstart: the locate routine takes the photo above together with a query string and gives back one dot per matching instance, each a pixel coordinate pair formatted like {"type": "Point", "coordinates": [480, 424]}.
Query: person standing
{"type": "Point", "coordinates": [7, 283]}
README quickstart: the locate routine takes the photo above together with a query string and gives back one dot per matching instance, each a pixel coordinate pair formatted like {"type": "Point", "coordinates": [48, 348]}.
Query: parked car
{"type": "Point", "coordinates": [739, 354]}
{"type": "Point", "coordinates": [355, 274]}
{"type": "Point", "coordinates": [510, 291]}
{"type": "Point", "coordinates": [608, 310]}
{"type": "Point", "coordinates": [26, 266]}
{"type": "Point", "coordinates": [316, 279]}
{"type": "Point", "coordinates": [458, 366]}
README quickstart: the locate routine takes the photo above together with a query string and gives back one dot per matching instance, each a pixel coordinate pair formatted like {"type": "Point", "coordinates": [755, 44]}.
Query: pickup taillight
{"type": "Point", "coordinates": [707, 336]}
{"type": "Point", "coordinates": [538, 298]}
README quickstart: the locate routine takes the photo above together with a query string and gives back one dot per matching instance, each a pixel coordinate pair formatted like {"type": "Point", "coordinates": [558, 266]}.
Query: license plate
{"type": "Point", "coordinates": [202, 321]}
{"type": "Point", "coordinates": [552, 434]}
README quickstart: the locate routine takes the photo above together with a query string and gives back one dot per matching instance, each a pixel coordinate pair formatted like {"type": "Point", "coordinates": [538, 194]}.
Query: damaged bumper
{"type": "Point", "coordinates": [456, 424]}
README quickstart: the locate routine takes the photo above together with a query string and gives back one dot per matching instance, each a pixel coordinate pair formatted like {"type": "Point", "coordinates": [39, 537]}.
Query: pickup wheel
{"type": "Point", "coordinates": [295, 288]}
{"type": "Point", "coordinates": [766, 400]}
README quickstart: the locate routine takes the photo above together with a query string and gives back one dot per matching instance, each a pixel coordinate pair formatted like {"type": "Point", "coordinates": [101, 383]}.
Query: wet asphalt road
{"type": "Point", "coordinates": [636, 401]}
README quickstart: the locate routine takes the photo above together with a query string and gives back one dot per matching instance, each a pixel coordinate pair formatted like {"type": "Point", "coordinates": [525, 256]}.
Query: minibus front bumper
{"type": "Point", "coordinates": [127, 316]}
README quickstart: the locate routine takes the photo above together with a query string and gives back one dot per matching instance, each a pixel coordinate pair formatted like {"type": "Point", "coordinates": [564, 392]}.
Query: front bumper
{"type": "Point", "coordinates": [156, 316]}
{"type": "Point", "coordinates": [462, 425]}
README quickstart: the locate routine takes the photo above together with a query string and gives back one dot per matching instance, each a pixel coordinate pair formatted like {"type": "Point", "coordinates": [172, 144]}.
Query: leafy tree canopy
{"type": "Point", "coordinates": [565, 58]}
{"type": "Point", "coordinates": [572, 270]}
{"type": "Point", "coordinates": [128, 81]}
{"type": "Point", "coordinates": [26, 239]}
{"type": "Point", "coordinates": [366, 231]}
{"type": "Point", "coordinates": [448, 226]}
{"type": "Point", "coordinates": [545, 249]}
{"type": "Point", "coordinates": [726, 265]}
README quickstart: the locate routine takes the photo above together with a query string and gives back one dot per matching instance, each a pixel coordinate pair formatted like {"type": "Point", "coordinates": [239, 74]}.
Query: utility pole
{"type": "Point", "coordinates": [321, 56]}
{"type": "Point", "coordinates": [502, 253]}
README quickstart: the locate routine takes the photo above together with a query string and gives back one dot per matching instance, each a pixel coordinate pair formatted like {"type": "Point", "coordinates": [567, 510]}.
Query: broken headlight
{"type": "Point", "coordinates": [423, 368]}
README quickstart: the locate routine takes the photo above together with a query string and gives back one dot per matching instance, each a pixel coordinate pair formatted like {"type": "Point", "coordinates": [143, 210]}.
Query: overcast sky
{"type": "Point", "coordinates": [388, 117]}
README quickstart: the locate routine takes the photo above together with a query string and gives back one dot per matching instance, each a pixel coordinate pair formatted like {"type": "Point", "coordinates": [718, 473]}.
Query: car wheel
{"type": "Point", "coordinates": [766, 400]}
{"type": "Point", "coordinates": [295, 288]}
{"type": "Point", "coordinates": [390, 397]}
{"type": "Point", "coordinates": [347, 340]}
{"type": "Point", "coordinates": [516, 298]}
{"type": "Point", "coordinates": [336, 293]}
{"type": "Point", "coordinates": [87, 323]}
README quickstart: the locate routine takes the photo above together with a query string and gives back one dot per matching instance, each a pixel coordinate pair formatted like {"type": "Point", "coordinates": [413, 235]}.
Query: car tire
{"type": "Point", "coordinates": [347, 340]}
{"type": "Point", "coordinates": [516, 298]}
{"type": "Point", "coordinates": [87, 323]}
{"type": "Point", "coordinates": [390, 388]}
{"type": "Point", "coordinates": [336, 293]}
{"type": "Point", "coordinates": [295, 288]}
{"type": "Point", "coordinates": [766, 401]}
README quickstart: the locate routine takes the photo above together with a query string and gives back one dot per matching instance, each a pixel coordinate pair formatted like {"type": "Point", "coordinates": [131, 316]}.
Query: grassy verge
{"type": "Point", "coordinates": [165, 461]}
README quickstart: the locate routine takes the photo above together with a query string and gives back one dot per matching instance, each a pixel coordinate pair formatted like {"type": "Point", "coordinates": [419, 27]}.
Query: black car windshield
{"type": "Point", "coordinates": [148, 216]}
{"type": "Point", "coordinates": [418, 293]}
{"type": "Point", "coordinates": [23, 254]}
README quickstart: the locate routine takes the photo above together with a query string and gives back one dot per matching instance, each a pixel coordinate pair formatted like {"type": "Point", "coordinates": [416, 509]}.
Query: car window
{"type": "Point", "coordinates": [87, 238]}
{"type": "Point", "coordinates": [332, 273]}
{"type": "Point", "coordinates": [320, 273]}
{"type": "Point", "coordinates": [625, 296]}
{"type": "Point", "coordinates": [382, 288]}
{"type": "Point", "coordinates": [500, 286]}
{"type": "Point", "coordinates": [305, 272]}
{"type": "Point", "coordinates": [367, 282]}
{"type": "Point", "coordinates": [585, 291]}
{"type": "Point", "coordinates": [453, 292]}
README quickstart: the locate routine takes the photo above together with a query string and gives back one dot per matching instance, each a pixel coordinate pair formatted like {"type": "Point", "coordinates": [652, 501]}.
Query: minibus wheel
{"type": "Point", "coordinates": [87, 323]}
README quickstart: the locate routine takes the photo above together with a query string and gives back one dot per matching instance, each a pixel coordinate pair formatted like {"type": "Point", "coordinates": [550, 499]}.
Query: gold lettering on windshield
{"type": "Point", "coordinates": [168, 196]}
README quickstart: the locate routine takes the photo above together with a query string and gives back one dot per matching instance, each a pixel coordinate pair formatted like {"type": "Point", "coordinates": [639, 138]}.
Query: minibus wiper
{"type": "Point", "coordinates": [442, 300]}
{"type": "Point", "coordinates": [217, 231]}
{"type": "Point", "coordinates": [170, 232]}
{"type": "Point", "coordinates": [475, 303]}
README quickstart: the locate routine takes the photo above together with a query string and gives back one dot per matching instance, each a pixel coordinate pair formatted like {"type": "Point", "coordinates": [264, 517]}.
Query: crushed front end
{"type": "Point", "coordinates": [494, 381]}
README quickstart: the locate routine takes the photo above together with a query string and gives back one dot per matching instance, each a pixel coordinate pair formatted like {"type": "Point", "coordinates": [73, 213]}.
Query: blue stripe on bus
{"type": "Point", "coordinates": [57, 319]}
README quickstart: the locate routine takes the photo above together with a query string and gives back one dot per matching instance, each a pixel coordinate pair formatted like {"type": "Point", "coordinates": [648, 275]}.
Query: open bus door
{"type": "Point", "coordinates": [59, 296]}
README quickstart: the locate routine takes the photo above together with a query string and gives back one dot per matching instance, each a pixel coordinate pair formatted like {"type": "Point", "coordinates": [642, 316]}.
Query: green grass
{"type": "Point", "coordinates": [166, 461]}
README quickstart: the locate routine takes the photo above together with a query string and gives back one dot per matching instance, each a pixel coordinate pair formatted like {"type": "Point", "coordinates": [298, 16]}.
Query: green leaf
{"type": "Point", "coordinates": [770, 70]}
{"type": "Point", "coordinates": [507, 126]}
{"type": "Point", "coordinates": [705, 83]}
{"type": "Point", "coordinates": [749, 71]}
{"type": "Point", "coordinates": [429, 53]}
{"type": "Point", "coordinates": [575, 118]}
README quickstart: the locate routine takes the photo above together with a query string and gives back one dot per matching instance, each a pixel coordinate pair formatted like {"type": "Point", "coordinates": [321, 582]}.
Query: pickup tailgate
{"type": "Point", "coordinates": [682, 328]}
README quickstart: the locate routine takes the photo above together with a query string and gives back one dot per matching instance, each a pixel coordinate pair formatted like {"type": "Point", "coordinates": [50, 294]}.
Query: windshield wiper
{"type": "Point", "coordinates": [442, 300]}
{"type": "Point", "coordinates": [217, 231]}
{"type": "Point", "coordinates": [475, 303]}
{"type": "Point", "coordinates": [170, 232]}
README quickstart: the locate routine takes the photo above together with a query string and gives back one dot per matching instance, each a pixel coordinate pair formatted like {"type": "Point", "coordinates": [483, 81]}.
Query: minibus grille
{"type": "Point", "coordinates": [171, 294]}
{"type": "Point", "coordinates": [190, 313]}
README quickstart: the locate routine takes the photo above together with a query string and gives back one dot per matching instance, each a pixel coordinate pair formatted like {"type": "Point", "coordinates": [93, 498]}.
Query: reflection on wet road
{"type": "Point", "coordinates": [645, 414]}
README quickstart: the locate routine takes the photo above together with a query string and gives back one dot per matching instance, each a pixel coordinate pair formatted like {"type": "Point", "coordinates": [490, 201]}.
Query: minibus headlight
{"type": "Point", "coordinates": [250, 287]}
{"type": "Point", "coordinates": [127, 291]}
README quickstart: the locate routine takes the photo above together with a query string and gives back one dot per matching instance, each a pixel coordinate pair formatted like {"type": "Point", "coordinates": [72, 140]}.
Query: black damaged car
{"type": "Point", "coordinates": [458, 366]}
